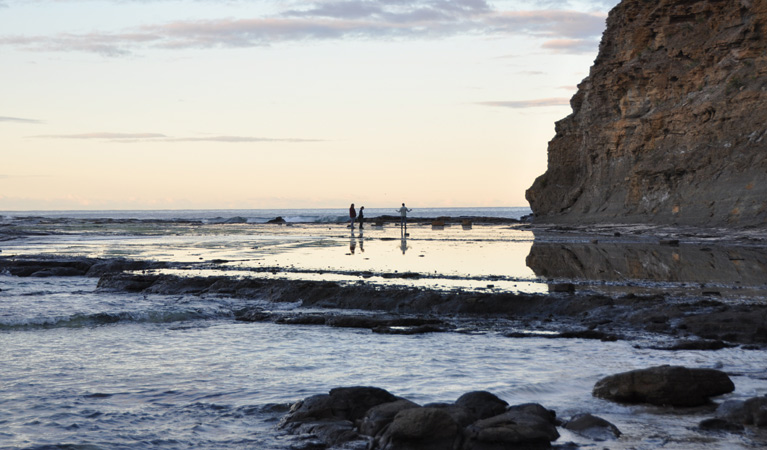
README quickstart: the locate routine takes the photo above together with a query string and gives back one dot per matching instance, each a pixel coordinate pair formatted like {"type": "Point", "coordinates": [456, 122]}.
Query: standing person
{"type": "Point", "coordinates": [352, 215]}
{"type": "Point", "coordinates": [361, 217]}
{"type": "Point", "coordinates": [403, 216]}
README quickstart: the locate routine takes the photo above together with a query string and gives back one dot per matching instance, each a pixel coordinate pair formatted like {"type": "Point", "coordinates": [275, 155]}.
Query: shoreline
{"type": "Point", "coordinates": [697, 331]}
{"type": "Point", "coordinates": [651, 320]}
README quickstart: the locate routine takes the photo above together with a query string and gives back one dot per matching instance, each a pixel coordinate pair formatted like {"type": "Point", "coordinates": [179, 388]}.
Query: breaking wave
{"type": "Point", "coordinates": [81, 320]}
{"type": "Point", "coordinates": [246, 216]}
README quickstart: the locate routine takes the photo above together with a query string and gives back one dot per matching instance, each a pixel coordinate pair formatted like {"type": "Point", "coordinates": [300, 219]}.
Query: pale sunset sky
{"type": "Point", "coordinates": [203, 104]}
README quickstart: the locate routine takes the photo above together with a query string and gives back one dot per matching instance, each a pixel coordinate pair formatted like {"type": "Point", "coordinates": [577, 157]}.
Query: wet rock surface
{"type": "Point", "coordinates": [476, 421]}
{"type": "Point", "coordinates": [702, 323]}
{"type": "Point", "coordinates": [593, 427]}
{"type": "Point", "coordinates": [50, 266]}
{"type": "Point", "coordinates": [744, 412]}
{"type": "Point", "coordinates": [587, 316]}
{"type": "Point", "coordinates": [373, 419]}
{"type": "Point", "coordinates": [665, 386]}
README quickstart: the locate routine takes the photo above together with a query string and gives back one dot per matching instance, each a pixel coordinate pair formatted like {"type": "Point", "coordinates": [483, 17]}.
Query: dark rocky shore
{"type": "Point", "coordinates": [702, 323]}
{"type": "Point", "coordinates": [371, 418]}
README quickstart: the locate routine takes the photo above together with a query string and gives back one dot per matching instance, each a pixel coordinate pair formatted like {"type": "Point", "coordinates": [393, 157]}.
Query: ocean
{"type": "Point", "coordinates": [315, 215]}
{"type": "Point", "coordinates": [86, 368]}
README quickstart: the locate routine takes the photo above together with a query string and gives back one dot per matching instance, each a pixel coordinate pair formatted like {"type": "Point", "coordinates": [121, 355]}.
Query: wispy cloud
{"type": "Point", "coordinates": [571, 45]}
{"type": "Point", "coordinates": [105, 136]}
{"type": "Point", "coordinates": [158, 137]}
{"type": "Point", "coordinates": [18, 120]}
{"type": "Point", "coordinates": [324, 20]}
{"type": "Point", "coordinates": [549, 23]}
{"type": "Point", "coordinates": [239, 139]}
{"type": "Point", "coordinates": [536, 103]}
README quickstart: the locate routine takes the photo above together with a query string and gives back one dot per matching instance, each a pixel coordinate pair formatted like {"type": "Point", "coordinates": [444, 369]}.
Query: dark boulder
{"type": "Point", "coordinates": [462, 416]}
{"type": "Point", "coordinates": [329, 432]}
{"type": "Point", "coordinates": [529, 426]}
{"type": "Point", "coordinates": [382, 415]}
{"type": "Point", "coordinates": [316, 407]}
{"type": "Point", "coordinates": [352, 403]}
{"type": "Point", "coordinates": [420, 429]}
{"type": "Point", "coordinates": [482, 404]}
{"type": "Point", "coordinates": [349, 403]}
{"type": "Point", "coordinates": [749, 412]}
{"type": "Point", "coordinates": [372, 418]}
{"type": "Point", "coordinates": [664, 385]}
{"type": "Point", "coordinates": [332, 417]}
{"type": "Point", "coordinates": [593, 427]}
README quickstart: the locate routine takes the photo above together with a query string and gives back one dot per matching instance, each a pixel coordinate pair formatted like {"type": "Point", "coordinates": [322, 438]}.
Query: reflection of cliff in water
{"type": "Point", "coordinates": [742, 266]}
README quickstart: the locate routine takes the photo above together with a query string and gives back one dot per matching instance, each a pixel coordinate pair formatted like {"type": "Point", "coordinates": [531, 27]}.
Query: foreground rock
{"type": "Point", "coordinates": [749, 412]}
{"type": "Point", "coordinates": [664, 386]}
{"type": "Point", "coordinates": [593, 427]}
{"type": "Point", "coordinates": [367, 416]}
{"type": "Point", "coordinates": [528, 426]}
{"type": "Point", "coordinates": [332, 417]}
{"type": "Point", "coordinates": [669, 125]}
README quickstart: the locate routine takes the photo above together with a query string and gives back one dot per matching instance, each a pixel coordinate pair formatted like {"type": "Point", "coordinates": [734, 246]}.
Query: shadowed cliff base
{"type": "Point", "coordinates": [668, 127]}
{"type": "Point", "coordinates": [673, 261]}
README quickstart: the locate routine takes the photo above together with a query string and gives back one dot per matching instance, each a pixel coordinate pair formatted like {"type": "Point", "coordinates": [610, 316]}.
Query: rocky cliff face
{"type": "Point", "coordinates": [670, 126]}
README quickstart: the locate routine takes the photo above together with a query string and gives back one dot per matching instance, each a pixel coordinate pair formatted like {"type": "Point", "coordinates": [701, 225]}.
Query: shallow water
{"type": "Point", "coordinates": [128, 371]}
{"type": "Point", "coordinates": [85, 368]}
{"type": "Point", "coordinates": [448, 258]}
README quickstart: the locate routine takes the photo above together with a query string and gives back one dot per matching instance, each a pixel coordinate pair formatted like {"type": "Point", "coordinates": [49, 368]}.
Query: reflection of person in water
{"type": "Point", "coordinates": [352, 243]}
{"type": "Point", "coordinates": [403, 241]}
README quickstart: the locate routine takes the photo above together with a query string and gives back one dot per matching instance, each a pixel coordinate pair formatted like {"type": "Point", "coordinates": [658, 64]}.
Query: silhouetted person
{"type": "Point", "coordinates": [403, 216]}
{"type": "Point", "coordinates": [352, 215]}
{"type": "Point", "coordinates": [361, 217]}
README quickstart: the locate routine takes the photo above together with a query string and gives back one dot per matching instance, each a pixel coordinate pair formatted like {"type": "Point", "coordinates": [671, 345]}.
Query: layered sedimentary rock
{"type": "Point", "coordinates": [670, 126]}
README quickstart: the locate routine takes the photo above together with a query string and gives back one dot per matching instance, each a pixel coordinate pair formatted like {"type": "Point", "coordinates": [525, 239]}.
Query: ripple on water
{"type": "Point", "coordinates": [139, 383]}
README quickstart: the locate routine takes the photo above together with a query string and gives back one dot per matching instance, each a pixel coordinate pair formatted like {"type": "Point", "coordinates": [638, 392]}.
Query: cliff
{"type": "Point", "coordinates": [670, 126]}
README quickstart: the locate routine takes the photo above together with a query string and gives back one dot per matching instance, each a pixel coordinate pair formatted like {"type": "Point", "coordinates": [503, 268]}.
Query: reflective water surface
{"type": "Point", "coordinates": [88, 369]}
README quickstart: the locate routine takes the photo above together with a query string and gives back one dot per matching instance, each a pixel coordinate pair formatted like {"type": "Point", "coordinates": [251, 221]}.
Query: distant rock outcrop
{"type": "Point", "coordinates": [669, 126]}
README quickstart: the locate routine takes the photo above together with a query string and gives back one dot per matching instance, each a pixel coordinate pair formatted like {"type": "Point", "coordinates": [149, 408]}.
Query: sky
{"type": "Point", "coordinates": [248, 104]}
